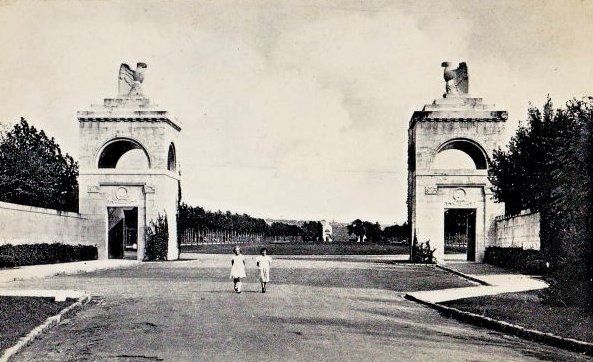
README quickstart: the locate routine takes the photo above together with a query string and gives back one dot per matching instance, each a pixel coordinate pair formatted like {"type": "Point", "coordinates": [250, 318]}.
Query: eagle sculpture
{"type": "Point", "coordinates": [130, 81]}
{"type": "Point", "coordinates": [456, 79]}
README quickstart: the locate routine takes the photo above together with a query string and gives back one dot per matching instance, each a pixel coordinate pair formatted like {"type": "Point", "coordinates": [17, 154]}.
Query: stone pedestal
{"type": "Point", "coordinates": [453, 122]}
{"type": "Point", "coordinates": [109, 131]}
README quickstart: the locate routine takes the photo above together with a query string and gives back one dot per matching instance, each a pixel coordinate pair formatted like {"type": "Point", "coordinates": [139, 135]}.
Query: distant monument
{"type": "Point", "coordinates": [129, 172]}
{"type": "Point", "coordinates": [449, 205]}
{"type": "Point", "coordinates": [326, 233]}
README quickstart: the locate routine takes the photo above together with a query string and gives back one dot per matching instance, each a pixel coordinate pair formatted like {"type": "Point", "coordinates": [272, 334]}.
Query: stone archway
{"type": "Point", "coordinates": [171, 158]}
{"type": "Point", "coordinates": [472, 149]}
{"type": "Point", "coordinates": [128, 170]}
{"type": "Point", "coordinates": [444, 197]}
{"type": "Point", "coordinates": [118, 149]}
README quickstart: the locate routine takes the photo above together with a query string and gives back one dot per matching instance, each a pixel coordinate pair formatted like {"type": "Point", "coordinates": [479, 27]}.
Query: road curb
{"type": "Point", "coordinates": [49, 323]}
{"type": "Point", "coordinates": [57, 272]}
{"type": "Point", "coordinates": [463, 275]}
{"type": "Point", "coordinates": [509, 328]}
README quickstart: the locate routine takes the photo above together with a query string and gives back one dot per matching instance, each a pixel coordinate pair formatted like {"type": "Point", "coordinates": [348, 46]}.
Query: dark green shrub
{"type": "Point", "coordinates": [524, 261]}
{"type": "Point", "coordinates": [157, 239]}
{"type": "Point", "coordinates": [33, 254]}
{"type": "Point", "coordinates": [422, 253]}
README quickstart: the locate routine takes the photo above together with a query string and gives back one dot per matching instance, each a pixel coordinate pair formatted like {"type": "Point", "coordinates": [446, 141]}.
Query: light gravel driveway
{"type": "Point", "coordinates": [315, 309]}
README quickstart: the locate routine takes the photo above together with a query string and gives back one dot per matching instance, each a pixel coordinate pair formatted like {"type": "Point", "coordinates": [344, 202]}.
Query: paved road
{"type": "Point", "coordinates": [314, 310]}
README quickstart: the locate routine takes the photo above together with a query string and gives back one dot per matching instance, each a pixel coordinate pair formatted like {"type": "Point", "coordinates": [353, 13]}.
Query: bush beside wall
{"type": "Point", "coordinates": [422, 253]}
{"type": "Point", "coordinates": [524, 261]}
{"type": "Point", "coordinates": [157, 239]}
{"type": "Point", "coordinates": [33, 254]}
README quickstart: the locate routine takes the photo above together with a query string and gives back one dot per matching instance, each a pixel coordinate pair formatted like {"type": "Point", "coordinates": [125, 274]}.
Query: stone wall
{"type": "Point", "coordinates": [30, 225]}
{"type": "Point", "coordinates": [520, 231]}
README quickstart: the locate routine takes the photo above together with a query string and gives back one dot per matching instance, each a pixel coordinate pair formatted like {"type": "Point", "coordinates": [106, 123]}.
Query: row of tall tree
{"type": "Point", "coordinates": [308, 231]}
{"type": "Point", "coordinates": [200, 219]}
{"type": "Point", "coordinates": [548, 167]}
{"type": "Point", "coordinates": [197, 218]}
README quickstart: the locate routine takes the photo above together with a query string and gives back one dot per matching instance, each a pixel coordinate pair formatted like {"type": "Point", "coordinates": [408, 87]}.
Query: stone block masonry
{"type": "Point", "coordinates": [448, 202]}
{"type": "Point", "coordinates": [32, 225]}
{"type": "Point", "coordinates": [146, 189]}
{"type": "Point", "coordinates": [519, 231]}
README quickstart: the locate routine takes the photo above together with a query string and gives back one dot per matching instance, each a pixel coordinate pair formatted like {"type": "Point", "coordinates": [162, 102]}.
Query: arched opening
{"type": "Point", "coordinates": [460, 154]}
{"type": "Point", "coordinates": [171, 158]}
{"type": "Point", "coordinates": [124, 154]}
{"type": "Point", "coordinates": [453, 159]}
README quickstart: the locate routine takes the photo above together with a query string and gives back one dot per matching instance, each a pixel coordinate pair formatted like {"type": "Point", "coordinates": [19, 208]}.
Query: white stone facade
{"type": "Point", "coordinates": [462, 123]}
{"type": "Point", "coordinates": [326, 231]}
{"type": "Point", "coordinates": [114, 127]}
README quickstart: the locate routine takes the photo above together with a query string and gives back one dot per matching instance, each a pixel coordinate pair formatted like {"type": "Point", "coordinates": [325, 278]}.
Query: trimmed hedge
{"type": "Point", "coordinates": [33, 254]}
{"type": "Point", "coordinates": [524, 261]}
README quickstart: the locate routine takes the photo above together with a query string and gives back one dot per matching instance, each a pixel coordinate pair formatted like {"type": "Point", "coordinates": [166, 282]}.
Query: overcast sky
{"type": "Point", "coordinates": [290, 109]}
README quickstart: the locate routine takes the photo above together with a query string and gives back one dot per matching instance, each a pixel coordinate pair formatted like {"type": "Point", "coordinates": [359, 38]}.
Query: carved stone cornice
{"type": "Point", "coordinates": [86, 116]}
{"type": "Point", "coordinates": [468, 116]}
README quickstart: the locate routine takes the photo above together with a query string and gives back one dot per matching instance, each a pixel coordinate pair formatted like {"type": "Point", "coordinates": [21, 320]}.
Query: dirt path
{"type": "Point", "coordinates": [314, 310]}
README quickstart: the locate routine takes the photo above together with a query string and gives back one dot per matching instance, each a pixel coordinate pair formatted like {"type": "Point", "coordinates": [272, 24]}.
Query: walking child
{"type": "Point", "coordinates": [237, 268]}
{"type": "Point", "coordinates": [263, 263]}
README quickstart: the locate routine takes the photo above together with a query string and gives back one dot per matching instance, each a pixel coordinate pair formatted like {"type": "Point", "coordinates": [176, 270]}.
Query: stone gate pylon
{"type": "Point", "coordinates": [129, 172]}
{"type": "Point", "coordinates": [450, 204]}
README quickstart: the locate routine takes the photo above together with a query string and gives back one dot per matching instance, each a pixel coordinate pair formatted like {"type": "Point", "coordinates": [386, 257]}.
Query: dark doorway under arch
{"type": "Point", "coordinates": [122, 239]}
{"type": "Point", "coordinates": [460, 232]}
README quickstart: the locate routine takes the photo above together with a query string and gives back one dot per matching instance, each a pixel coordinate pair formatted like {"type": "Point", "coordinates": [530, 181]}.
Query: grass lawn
{"type": "Point", "coordinates": [302, 248]}
{"type": "Point", "coordinates": [525, 309]}
{"type": "Point", "coordinates": [19, 315]}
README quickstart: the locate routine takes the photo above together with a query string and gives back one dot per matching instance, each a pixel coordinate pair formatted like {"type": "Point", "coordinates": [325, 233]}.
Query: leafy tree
{"type": "Point", "coordinates": [397, 232]}
{"type": "Point", "coordinates": [365, 230]}
{"type": "Point", "coordinates": [566, 222]}
{"type": "Point", "coordinates": [373, 231]}
{"type": "Point", "coordinates": [312, 230]}
{"type": "Point", "coordinates": [357, 229]}
{"type": "Point", "coordinates": [520, 176]}
{"type": "Point", "coordinates": [33, 170]}
{"type": "Point", "coordinates": [548, 168]}
{"type": "Point", "coordinates": [285, 230]}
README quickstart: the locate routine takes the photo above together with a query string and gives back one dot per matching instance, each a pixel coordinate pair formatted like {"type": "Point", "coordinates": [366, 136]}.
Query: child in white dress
{"type": "Point", "coordinates": [237, 268]}
{"type": "Point", "coordinates": [264, 262]}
